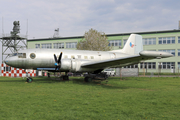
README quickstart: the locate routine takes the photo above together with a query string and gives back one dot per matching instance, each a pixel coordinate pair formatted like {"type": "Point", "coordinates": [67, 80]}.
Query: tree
{"type": "Point", "coordinates": [95, 41]}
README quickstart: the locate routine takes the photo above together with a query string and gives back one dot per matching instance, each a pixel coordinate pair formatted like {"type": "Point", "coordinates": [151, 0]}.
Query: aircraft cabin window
{"type": "Point", "coordinates": [32, 56]}
{"type": "Point", "coordinates": [79, 56]}
{"type": "Point", "coordinates": [65, 56]}
{"type": "Point", "coordinates": [85, 57]}
{"type": "Point", "coordinates": [72, 57]}
{"type": "Point", "coordinates": [92, 57]}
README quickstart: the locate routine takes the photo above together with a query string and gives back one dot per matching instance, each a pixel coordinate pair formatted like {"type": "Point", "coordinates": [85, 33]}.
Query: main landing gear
{"type": "Point", "coordinates": [64, 77]}
{"type": "Point", "coordinates": [59, 76]}
{"type": "Point", "coordinates": [29, 80]}
{"type": "Point", "coordinates": [101, 76]}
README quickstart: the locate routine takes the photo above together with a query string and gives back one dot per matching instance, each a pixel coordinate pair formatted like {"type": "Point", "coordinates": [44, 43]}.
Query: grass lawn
{"type": "Point", "coordinates": [127, 99]}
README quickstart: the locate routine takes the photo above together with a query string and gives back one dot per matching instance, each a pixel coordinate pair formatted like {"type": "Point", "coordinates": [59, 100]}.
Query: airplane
{"type": "Point", "coordinates": [92, 62]}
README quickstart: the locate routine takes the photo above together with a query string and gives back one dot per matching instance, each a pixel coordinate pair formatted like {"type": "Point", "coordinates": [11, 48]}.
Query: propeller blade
{"type": "Point", "coordinates": [55, 58]}
{"type": "Point", "coordinates": [59, 59]}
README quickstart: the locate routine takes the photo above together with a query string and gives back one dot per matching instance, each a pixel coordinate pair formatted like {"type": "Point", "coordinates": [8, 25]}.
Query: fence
{"type": "Point", "coordinates": [129, 72]}
{"type": "Point", "coordinates": [8, 71]}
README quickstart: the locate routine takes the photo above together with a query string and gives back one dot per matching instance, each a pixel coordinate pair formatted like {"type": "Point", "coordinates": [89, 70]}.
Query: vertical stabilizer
{"type": "Point", "coordinates": [134, 45]}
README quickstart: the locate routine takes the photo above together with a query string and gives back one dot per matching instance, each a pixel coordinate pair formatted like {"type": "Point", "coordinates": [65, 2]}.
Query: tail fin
{"type": "Point", "coordinates": [134, 45]}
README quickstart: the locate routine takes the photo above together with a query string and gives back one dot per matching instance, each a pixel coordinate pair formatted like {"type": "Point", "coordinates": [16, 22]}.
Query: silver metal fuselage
{"type": "Point", "coordinates": [71, 59]}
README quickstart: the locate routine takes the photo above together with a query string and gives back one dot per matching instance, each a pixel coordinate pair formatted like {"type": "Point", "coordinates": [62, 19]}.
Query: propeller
{"type": "Point", "coordinates": [58, 61]}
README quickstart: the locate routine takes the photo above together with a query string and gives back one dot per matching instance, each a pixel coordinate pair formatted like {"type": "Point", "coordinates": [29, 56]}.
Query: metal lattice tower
{"type": "Point", "coordinates": [56, 33]}
{"type": "Point", "coordinates": [13, 42]}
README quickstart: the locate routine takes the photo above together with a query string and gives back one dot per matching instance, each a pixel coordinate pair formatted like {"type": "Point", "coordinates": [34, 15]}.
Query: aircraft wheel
{"type": "Point", "coordinates": [29, 80]}
{"type": "Point", "coordinates": [48, 74]}
{"type": "Point", "coordinates": [87, 79]}
{"type": "Point", "coordinates": [66, 77]}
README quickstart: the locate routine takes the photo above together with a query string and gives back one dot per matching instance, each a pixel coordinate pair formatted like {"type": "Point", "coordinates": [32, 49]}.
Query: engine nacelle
{"type": "Point", "coordinates": [75, 65]}
{"type": "Point", "coordinates": [71, 65]}
{"type": "Point", "coordinates": [65, 64]}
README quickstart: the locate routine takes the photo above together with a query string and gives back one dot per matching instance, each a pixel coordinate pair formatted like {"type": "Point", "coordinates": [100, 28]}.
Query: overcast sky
{"type": "Point", "coordinates": [74, 17]}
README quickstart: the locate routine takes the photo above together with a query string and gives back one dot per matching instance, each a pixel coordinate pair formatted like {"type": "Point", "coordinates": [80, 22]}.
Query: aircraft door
{"type": "Point", "coordinates": [99, 55]}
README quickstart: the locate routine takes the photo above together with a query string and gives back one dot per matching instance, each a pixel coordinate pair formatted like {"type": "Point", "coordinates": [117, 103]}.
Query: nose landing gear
{"type": "Point", "coordinates": [29, 80]}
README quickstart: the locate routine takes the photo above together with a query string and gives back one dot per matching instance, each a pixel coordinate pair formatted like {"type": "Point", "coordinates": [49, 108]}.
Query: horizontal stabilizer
{"type": "Point", "coordinates": [156, 54]}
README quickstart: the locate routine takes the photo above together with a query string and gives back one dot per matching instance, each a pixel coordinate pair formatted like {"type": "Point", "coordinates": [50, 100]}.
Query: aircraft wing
{"type": "Point", "coordinates": [124, 61]}
{"type": "Point", "coordinates": [113, 62]}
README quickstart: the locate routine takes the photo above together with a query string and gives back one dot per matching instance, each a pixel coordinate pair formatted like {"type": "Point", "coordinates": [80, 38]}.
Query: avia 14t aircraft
{"type": "Point", "coordinates": [92, 62]}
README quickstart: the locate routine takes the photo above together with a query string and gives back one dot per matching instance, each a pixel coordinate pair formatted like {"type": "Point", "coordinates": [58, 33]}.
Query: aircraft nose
{"type": "Point", "coordinates": [6, 61]}
{"type": "Point", "coordinates": [9, 61]}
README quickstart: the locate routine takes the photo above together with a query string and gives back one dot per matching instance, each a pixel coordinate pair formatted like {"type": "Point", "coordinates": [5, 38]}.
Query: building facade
{"type": "Point", "coordinates": [168, 41]}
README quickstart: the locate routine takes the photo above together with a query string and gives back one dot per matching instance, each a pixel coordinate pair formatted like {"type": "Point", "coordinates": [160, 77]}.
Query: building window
{"type": "Point", "coordinates": [178, 52]}
{"type": "Point", "coordinates": [179, 65]}
{"type": "Point", "coordinates": [71, 44]}
{"type": "Point", "coordinates": [149, 41]}
{"type": "Point", "coordinates": [178, 39]}
{"type": "Point", "coordinates": [59, 45]}
{"type": "Point", "coordinates": [148, 65]}
{"type": "Point", "coordinates": [125, 40]}
{"type": "Point", "coordinates": [132, 66]}
{"type": "Point", "coordinates": [169, 51]}
{"type": "Point", "coordinates": [167, 65]}
{"type": "Point", "coordinates": [47, 45]}
{"type": "Point", "coordinates": [167, 40]}
{"type": "Point", "coordinates": [37, 45]}
{"type": "Point", "coordinates": [150, 50]}
{"type": "Point", "coordinates": [114, 42]}
{"type": "Point", "coordinates": [7, 69]}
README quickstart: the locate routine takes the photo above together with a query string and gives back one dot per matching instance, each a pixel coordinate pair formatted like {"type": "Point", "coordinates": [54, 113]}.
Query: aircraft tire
{"type": "Point", "coordinates": [65, 77]}
{"type": "Point", "coordinates": [85, 79]}
{"type": "Point", "coordinates": [29, 80]}
{"type": "Point", "coordinates": [88, 79]}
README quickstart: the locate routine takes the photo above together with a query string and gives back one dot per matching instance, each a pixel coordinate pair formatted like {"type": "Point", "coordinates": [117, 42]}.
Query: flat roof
{"type": "Point", "coordinates": [118, 34]}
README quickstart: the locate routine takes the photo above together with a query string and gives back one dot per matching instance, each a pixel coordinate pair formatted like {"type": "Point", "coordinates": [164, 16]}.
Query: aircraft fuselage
{"type": "Point", "coordinates": [71, 59]}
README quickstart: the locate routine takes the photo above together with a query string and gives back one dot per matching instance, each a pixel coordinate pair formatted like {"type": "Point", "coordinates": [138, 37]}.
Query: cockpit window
{"type": "Point", "coordinates": [14, 54]}
{"type": "Point", "coordinates": [20, 55]}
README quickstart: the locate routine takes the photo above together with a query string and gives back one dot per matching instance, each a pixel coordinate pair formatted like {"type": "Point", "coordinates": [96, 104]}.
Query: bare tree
{"type": "Point", "coordinates": [95, 41]}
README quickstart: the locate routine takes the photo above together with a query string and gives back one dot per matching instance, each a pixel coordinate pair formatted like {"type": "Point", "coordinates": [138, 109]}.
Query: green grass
{"type": "Point", "coordinates": [127, 99]}
{"type": "Point", "coordinates": [148, 73]}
